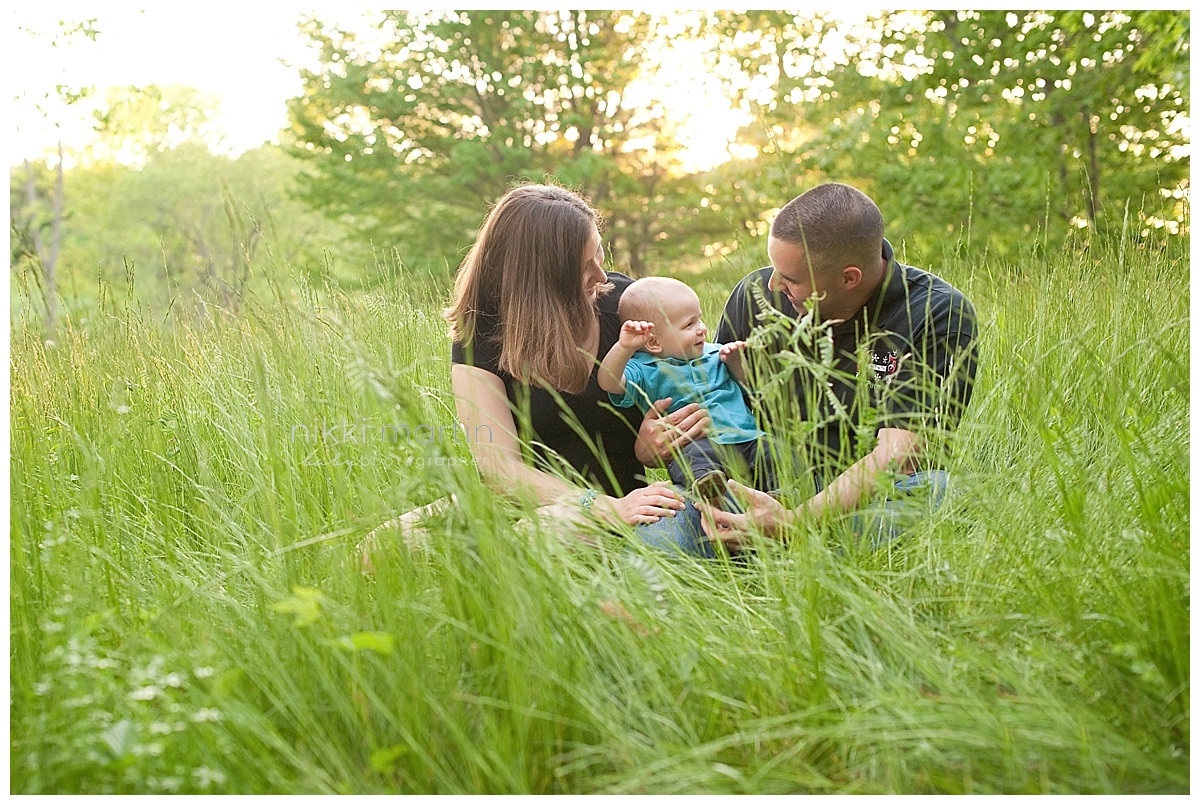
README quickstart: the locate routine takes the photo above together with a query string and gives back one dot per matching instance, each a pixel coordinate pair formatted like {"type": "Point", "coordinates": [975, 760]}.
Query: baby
{"type": "Point", "coordinates": [662, 353]}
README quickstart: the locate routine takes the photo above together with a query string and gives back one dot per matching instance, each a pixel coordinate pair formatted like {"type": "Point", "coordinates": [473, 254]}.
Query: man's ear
{"type": "Point", "coordinates": [851, 277]}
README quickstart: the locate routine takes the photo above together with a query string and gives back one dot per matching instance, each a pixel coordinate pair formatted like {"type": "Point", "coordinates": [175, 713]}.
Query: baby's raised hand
{"type": "Point", "coordinates": [636, 334]}
{"type": "Point", "coordinates": [731, 354]}
{"type": "Point", "coordinates": [732, 351]}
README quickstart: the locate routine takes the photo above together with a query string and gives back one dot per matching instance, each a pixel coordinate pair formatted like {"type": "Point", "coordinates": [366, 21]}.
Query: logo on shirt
{"type": "Point", "coordinates": [885, 365]}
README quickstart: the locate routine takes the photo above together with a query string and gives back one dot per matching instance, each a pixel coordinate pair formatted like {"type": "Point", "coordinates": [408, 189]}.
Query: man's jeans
{"type": "Point", "coordinates": [911, 499]}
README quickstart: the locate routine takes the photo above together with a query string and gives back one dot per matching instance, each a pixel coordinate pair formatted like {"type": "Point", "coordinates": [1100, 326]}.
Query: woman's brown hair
{"type": "Point", "coordinates": [526, 268]}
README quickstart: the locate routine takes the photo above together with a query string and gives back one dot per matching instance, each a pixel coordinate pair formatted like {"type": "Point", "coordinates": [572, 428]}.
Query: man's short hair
{"type": "Point", "coordinates": [837, 225]}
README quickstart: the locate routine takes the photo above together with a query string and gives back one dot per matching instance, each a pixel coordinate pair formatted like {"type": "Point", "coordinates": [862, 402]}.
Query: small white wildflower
{"type": "Point", "coordinates": [145, 694]}
{"type": "Point", "coordinates": [170, 783]}
{"type": "Point", "coordinates": [206, 776]}
{"type": "Point", "coordinates": [203, 672]}
{"type": "Point", "coordinates": [68, 598]}
{"type": "Point", "coordinates": [52, 627]}
{"type": "Point", "coordinates": [172, 680]}
{"type": "Point", "coordinates": [41, 688]}
{"type": "Point", "coordinates": [160, 728]}
{"type": "Point", "coordinates": [153, 750]}
{"type": "Point", "coordinates": [206, 714]}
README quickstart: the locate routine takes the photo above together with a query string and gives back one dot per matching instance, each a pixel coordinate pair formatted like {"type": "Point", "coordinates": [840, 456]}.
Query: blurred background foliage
{"type": "Point", "coordinates": [987, 132]}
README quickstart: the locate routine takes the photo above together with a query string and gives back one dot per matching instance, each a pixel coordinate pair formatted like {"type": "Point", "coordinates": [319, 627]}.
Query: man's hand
{"type": "Point", "coordinates": [662, 434]}
{"type": "Point", "coordinates": [762, 512]}
{"type": "Point", "coordinates": [635, 334]}
{"type": "Point", "coordinates": [731, 355]}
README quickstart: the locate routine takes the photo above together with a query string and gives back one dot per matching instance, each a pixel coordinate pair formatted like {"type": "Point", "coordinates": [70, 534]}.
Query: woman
{"type": "Point", "coordinates": [533, 309]}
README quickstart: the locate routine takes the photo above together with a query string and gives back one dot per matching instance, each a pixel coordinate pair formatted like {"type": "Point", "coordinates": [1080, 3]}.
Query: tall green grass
{"type": "Point", "coordinates": [188, 615]}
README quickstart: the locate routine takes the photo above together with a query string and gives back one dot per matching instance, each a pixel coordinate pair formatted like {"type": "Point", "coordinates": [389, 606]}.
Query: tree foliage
{"type": "Point", "coordinates": [414, 129]}
{"type": "Point", "coordinates": [36, 231]}
{"type": "Point", "coordinates": [1008, 125]}
{"type": "Point", "coordinates": [151, 201]}
{"type": "Point", "coordinates": [135, 123]}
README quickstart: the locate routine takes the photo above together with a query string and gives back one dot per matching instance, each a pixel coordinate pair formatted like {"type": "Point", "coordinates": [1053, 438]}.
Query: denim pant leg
{"type": "Point", "coordinates": [679, 534]}
{"type": "Point", "coordinates": [697, 459]}
{"type": "Point", "coordinates": [914, 497]}
{"type": "Point", "coordinates": [762, 457]}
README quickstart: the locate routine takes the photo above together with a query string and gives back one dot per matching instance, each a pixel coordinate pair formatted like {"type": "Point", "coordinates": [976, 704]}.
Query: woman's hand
{"type": "Point", "coordinates": [661, 435]}
{"type": "Point", "coordinates": [762, 512]}
{"type": "Point", "coordinates": [646, 504]}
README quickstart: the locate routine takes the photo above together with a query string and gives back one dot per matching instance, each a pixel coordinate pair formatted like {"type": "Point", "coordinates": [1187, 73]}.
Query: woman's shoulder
{"type": "Point", "coordinates": [608, 302]}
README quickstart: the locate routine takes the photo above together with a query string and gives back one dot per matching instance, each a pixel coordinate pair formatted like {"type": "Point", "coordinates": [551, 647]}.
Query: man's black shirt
{"type": "Point", "coordinates": [916, 333]}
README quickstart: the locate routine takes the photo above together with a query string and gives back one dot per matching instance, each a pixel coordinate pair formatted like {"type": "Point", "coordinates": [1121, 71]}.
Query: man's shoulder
{"type": "Point", "coordinates": [759, 277]}
{"type": "Point", "coordinates": [753, 289]}
{"type": "Point", "coordinates": [918, 289]}
{"type": "Point", "coordinates": [745, 303]}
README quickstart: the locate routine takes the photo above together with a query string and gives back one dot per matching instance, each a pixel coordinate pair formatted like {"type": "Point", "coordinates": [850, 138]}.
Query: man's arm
{"type": "Point", "coordinates": [896, 452]}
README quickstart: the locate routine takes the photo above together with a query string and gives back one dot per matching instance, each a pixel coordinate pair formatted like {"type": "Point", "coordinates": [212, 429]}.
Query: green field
{"type": "Point", "coordinates": [188, 615]}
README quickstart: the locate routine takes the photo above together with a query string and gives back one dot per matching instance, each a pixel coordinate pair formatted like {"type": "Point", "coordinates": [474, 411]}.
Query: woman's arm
{"type": "Point", "coordinates": [480, 399]}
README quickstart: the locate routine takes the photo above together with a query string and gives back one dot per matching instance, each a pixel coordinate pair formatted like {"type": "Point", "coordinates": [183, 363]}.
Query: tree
{"type": "Point", "coordinates": [190, 220]}
{"type": "Point", "coordinates": [1018, 125]}
{"type": "Point", "coordinates": [36, 223]}
{"type": "Point", "coordinates": [149, 199]}
{"type": "Point", "coordinates": [413, 129]}
{"type": "Point", "coordinates": [135, 123]}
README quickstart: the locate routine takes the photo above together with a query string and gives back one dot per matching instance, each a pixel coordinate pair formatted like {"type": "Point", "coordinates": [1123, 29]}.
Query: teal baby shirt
{"type": "Point", "coordinates": [705, 380]}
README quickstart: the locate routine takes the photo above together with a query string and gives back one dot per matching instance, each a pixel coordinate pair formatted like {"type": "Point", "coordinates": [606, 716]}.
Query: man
{"type": "Point", "coordinates": [901, 367]}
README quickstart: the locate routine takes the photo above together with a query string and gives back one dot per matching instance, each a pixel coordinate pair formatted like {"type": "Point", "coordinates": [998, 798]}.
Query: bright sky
{"type": "Point", "coordinates": [234, 54]}
{"type": "Point", "coordinates": [242, 57]}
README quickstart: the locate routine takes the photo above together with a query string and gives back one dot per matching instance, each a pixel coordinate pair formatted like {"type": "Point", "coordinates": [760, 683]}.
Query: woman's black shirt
{"type": "Point", "coordinates": [583, 433]}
